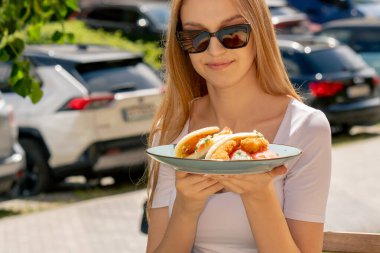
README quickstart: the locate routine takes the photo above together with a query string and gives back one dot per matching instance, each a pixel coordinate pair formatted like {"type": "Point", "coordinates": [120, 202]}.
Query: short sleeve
{"type": "Point", "coordinates": [307, 183]}
{"type": "Point", "coordinates": [166, 177]}
{"type": "Point", "coordinates": [165, 186]}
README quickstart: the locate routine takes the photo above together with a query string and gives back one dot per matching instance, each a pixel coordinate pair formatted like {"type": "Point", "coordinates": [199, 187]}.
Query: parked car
{"type": "Point", "coordinates": [97, 108]}
{"type": "Point", "coordinates": [12, 156]}
{"type": "Point", "coordinates": [370, 8]}
{"type": "Point", "coordinates": [148, 19]}
{"type": "Point", "coordinates": [322, 11]}
{"type": "Point", "coordinates": [333, 78]}
{"type": "Point", "coordinates": [286, 19]}
{"type": "Point", "coordinates": [362, 35]}
{"type": "Point", "coordinates": [137, 19]}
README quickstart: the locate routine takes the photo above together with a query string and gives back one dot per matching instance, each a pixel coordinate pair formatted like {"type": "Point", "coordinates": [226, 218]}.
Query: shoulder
{"type": "Point", "coordinates": [303, 123]}
{"type": "Point", "coordinates": [304, 116]}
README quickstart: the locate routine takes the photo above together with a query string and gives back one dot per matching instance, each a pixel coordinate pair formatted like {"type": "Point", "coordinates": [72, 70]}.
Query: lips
{"type": "Point", "coordinates": [219, 65]}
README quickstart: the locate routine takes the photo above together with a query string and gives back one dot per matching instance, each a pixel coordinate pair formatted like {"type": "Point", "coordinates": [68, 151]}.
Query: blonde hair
{"type": "Point", "coordinates": [183, 83]}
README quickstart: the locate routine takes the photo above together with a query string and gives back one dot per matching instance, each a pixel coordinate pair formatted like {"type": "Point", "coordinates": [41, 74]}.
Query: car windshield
{"type": "Point", "coordinates": [336, 59]}
{"type": "Point", "coordinates": [118, 76]}
{"type": "Point", "coordinates": [160, 14]}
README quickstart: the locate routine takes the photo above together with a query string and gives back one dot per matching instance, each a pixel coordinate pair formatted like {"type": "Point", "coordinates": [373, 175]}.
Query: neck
{"type": "Point", "coordinates": [228, 105]}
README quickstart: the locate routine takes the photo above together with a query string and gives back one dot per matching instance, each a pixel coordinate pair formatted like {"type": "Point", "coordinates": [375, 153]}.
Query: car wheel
{"type": "Point", "coordinates": [36, 177]}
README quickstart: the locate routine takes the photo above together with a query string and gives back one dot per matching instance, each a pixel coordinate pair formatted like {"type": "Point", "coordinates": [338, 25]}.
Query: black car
{"type": "Point", "coordinates": [286, 19]}
{"type": "Point", "coordinates": [136, 19]}
{"type": "Point", "coordinates": [362, 35]}
{"type": "Point", "coordinates": [333, 78]}
{"type": "Point", "coordinates": [148, 19]}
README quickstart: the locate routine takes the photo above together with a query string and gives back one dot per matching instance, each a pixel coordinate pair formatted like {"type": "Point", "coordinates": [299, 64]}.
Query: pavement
{"type": "Point", "coordinates": [112, 224]}
{"type": "Point", "coordinates": [109, 224]}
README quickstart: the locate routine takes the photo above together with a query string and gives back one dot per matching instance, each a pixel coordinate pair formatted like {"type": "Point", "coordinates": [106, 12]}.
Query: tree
{"type": "Point", "coordinates": [20, 18]}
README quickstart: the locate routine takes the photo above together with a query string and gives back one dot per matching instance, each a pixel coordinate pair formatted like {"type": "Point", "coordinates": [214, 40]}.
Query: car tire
{"type": "Point", "coordinates": [36, 177]}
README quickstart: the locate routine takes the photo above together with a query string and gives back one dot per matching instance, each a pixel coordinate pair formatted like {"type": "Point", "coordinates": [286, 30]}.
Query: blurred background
{"type": "Point", "coordinates": [80, 82]}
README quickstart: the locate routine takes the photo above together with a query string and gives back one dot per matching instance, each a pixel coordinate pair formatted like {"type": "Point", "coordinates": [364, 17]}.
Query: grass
{"type": "Point", "coordinates": [84, 35]}
{"type": "Point", "coordinates": [68, 192]}
{"type": "Point", "coordinates": [6, 213]}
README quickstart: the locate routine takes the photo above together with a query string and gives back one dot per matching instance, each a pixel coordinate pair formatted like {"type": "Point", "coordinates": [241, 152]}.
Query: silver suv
{"type": "Point", "coordinates": [12, 157]}
{"type": "Point", "coordinates": [97, 108]}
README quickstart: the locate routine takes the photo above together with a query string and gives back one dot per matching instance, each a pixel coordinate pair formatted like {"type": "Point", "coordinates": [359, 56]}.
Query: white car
{"type": "Point", "coordinates": [12, 157]}
{"type": "Point", "coordinates": [93, 119]}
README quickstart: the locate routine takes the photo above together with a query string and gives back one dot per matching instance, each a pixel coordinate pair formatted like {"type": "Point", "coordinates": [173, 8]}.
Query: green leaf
{"type": "Point", "coordinates": [34, 32]}
{"type": "Point", "coordinates": [36, 93]}
{"type": "Point", "coordinates": [37, 7]}
{"type": "Point", "coordinates": [72, 4]}
{"type": "Point", "coordinates": [22, 87]}
{"type": "Point", "coordinates": [18, 46]}
{"type": "Point", "coordinates": [17, 72]}
{"type": "Point", "coordinates": [10, 52]}
{"type": "Point", "coordinates": [4, 55]}
{"type": "Point", "coordinates": [70, 37]}
{"type": "Point", "coordinates": [57, 36]}
{"type": "Point", "coordinates": [62, 11]}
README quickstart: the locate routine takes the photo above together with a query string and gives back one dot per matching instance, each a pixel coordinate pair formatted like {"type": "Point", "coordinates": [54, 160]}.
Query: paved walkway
{"type": "Point", "coordinates": [111, 224]}
{"type": "Point", "coordinates": [354, 201]}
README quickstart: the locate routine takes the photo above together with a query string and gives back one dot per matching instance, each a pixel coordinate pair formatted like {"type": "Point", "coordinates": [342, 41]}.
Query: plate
{"type": "Point", "coordinates": [165, 154]}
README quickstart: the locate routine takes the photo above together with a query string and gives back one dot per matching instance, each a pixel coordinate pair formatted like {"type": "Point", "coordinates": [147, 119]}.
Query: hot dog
{"type": "Point", "coordinates": [241, 146]}
{"type": "Point", "coordinates": [196, 144]}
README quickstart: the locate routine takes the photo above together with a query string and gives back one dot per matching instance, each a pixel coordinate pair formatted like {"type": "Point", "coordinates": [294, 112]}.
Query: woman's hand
{"type": "Point", "coordinates": [250, 185]}
{"type": "Point", "coordinates": [193, 191]}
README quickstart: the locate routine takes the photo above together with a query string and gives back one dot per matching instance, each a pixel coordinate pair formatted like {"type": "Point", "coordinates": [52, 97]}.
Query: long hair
{"type": "Point", "coordinates": [183, 83]}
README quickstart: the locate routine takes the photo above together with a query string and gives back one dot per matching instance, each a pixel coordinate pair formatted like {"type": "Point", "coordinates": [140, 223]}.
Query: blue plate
{"type": "Point", "coordinates": [165, 154]}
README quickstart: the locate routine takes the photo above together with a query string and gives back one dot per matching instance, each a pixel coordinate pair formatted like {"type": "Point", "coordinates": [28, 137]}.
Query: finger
{"type": "Point", "coordinates": [213, 189]}
{"type": "Point", "coordinates": [218, 176]}
{"type": "Point", "coordinates": [229, 185]}
{"type": "Point", "coordinates": [189, 176]}
{"type": "Point", "coordinates": [192, 179]}
{"type": "Point", "coordinates": [278, 171]}
{"type": "Point", "coordinates": [200, 186]}
{"type": "Point", "coordinates": [181, 174]}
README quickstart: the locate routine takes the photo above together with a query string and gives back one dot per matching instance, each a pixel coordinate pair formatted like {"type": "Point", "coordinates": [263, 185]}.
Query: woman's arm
{"type": "Point", "coordinates": [267, 222]}
{"type": "Point", "coordinates": [307, 235]}
{"type": "Point", "coordinates": [169, 235]}
{"type": "Point", "coordinates": [274, 233]}
{"type": "Point", "coordinates": [177, 233]}
{"type": "Point", "coordinates": [264, 213]}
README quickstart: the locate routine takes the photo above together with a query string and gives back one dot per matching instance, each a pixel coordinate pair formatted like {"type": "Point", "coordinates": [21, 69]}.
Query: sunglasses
{"type": "Point", "coordinates": [197, 41]}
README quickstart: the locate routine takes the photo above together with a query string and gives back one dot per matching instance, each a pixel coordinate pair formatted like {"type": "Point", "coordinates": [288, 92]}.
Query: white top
{"type": "Point", "coordinates": [223, 226]}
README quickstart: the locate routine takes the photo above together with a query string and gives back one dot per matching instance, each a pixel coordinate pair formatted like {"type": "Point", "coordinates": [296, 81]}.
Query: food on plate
{"type": "Point", "coordinates": [212, 144]}
{"type": "Point", "coordinates": [195, 145]}
{"type": "Point", "coordinates": [241, 146]}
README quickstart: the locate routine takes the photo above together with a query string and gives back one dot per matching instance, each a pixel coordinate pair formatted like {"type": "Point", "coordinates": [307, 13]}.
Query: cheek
{"type": "Point", "coordinates": [197, 64]}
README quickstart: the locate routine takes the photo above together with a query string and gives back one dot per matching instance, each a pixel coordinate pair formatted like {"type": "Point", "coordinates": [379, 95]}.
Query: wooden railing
{"type": "Point", "coordinates": [351, 242]}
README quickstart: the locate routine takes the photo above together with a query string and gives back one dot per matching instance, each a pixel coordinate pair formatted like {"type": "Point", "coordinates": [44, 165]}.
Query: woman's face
{"type": "Point", "coordinates": [219, 66]}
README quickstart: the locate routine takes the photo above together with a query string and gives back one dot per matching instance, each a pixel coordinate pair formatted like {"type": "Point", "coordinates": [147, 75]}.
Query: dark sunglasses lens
{"type": "Point", "coordinates": [194, 41]}
{"type": "Point", "coordinates": [233, 37]}
{"type": "Point", "coordinates": [200, 42]}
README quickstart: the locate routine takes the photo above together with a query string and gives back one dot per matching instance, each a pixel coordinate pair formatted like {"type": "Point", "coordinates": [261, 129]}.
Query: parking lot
{"type": "Point", "coordinates": [112, 223]}
{"type": "Point", "coordinates": [71, 178]}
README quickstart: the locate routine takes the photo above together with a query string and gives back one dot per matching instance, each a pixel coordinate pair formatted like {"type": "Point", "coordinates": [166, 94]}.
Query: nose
{"type": "Point", "coordinates": [215, 47]}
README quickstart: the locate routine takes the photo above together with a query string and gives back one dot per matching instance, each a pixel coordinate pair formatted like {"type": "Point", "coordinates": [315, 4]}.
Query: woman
{"type": "Point", "coordinates": [224, 69]}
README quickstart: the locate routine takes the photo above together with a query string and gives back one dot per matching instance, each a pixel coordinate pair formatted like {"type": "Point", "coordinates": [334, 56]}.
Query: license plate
{"type": "Point", "coordinates": [139, 112]}
{"type": "Point", "coordinates": [358, 91]}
